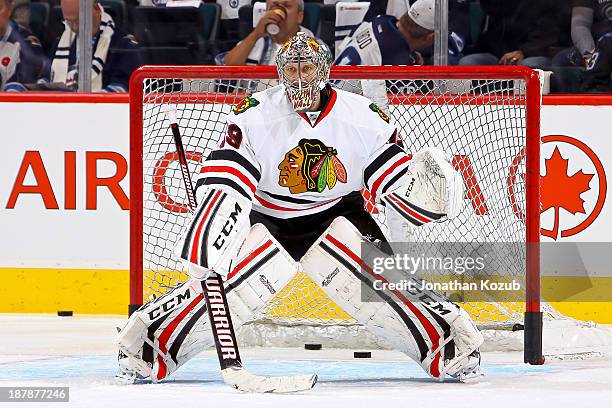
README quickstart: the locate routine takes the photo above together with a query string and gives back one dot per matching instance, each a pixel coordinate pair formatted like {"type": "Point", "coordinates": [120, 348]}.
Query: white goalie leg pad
{"type": "Point", "coordinates": [432, 191]}
{"type": "Point", "coordinates": [214, 235]}
{"type": "Point", "coordinates": [436, 334]}
{"type": "Point", "coordinates": [263, 269]}
{"type": "Point", "coordinates": [167, 332]}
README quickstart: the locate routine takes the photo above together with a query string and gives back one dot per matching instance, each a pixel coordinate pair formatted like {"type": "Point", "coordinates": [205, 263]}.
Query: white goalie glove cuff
{"type": "Point", "coordinates": [432, 191]}
{"type": "Point", "coordinates": [215, 234]}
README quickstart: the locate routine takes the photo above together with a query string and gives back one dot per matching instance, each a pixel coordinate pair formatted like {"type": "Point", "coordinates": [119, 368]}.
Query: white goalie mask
{"type": "Point", "coordinates": [303, 68]}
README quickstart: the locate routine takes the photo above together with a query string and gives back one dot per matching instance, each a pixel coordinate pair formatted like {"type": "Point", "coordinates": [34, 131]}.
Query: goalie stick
{"type": "Point", "coordinates": [232, 370]}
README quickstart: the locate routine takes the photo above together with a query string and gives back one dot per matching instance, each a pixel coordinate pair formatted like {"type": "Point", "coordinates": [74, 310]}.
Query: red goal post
{"type": "Point", "coordinates": [529, 97]}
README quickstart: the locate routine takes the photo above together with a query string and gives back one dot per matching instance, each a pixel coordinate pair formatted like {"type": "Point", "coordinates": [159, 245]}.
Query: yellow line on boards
{"type": "Point", "coordinates": [84, 291]}
{"type": "Point", "coordinates": [106, 291]}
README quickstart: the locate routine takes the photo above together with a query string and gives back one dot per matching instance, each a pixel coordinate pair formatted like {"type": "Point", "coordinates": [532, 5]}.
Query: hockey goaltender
{"type": "Point", "coordinates": [281, 193]}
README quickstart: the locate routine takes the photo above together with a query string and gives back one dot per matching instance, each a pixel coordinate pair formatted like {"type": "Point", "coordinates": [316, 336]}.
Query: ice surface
{"type": "Point", "coordinates": [38, 350]}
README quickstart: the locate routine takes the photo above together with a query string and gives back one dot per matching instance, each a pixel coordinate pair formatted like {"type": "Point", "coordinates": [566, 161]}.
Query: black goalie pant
{"type": "Point", "coordinates": [298, 234]}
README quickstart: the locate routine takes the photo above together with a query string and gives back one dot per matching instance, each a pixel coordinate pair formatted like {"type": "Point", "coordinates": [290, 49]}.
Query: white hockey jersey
{"type": "Point", "coordinates": [290, 166]}
{"type": "Point", "coordinates": [378, 42]}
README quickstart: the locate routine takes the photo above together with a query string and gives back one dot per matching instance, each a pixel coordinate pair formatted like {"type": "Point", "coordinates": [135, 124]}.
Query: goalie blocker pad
{"type": "Point", "coordinates": [167, 332]}
{"type": "Point", "coordinates": [435, 333]}
{"type": "Point", "coordinates": [431, 191]}
{"type": "Point", "coordinates": [215, 233]}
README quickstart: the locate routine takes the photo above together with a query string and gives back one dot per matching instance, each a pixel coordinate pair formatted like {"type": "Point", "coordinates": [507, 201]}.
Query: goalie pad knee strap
{"type": "Point", "coordinates": [214, 235]}
{"type": "Point", "coordinates": [168, 331]}
{"type": "Point", "coordinates": [436, 334]}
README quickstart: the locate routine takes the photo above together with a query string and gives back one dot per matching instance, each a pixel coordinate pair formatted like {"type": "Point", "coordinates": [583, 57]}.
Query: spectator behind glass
{"type": "Point", "coordinates": [21, 12]}
{"type": "Point", "coordinates": [22, 59]}
{"type": "Point", "coordinates": [521, 32]}
{"type": "Point", "coordinates": [115, 53]}
{"type": "Point", "coordinates": [389, 41]}
{"type": "Point", "coordinates": [260, 48]}
{"type": "Point", "coordinates": [458, 19]}
{"type": "Point", "coordinates": [598, 74]}
{"type": "Point", "coordinates": [591, 20]}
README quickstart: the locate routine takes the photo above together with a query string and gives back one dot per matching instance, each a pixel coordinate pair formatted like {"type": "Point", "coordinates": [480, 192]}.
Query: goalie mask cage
{"type": "Point", "coordinates": [488, 118]}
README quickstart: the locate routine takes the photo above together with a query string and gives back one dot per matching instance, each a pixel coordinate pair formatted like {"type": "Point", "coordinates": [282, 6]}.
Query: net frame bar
{"type": "Point", "coordinates": [533, 314]}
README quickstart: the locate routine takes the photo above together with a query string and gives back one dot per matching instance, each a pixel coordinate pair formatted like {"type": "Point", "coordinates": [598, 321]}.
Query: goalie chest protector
{"type": "Point", "coordinates": [304, 165]}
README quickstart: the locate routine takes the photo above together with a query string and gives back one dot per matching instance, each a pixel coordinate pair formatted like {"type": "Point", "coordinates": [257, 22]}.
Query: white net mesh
{"type": "Point", "coordinates": [482, 123]}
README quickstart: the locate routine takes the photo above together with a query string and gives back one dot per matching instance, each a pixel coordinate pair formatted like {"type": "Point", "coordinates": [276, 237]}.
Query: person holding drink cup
{"type": "Point", "coordinates": [280, 22]}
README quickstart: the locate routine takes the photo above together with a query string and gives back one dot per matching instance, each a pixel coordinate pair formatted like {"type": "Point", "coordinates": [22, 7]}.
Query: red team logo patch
{"type": "Point", "coordinates": [244, 105]}
{"type": "Point", "coordinates": [311, 166]}
{"type": "Point", "coordinates": [5, 61]}
{"type": "Point", "coordinates": [382, 114]}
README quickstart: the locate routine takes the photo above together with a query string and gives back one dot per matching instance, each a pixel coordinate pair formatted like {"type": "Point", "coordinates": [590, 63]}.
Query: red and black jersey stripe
{"type": "Point", "coordinates": [222, 181]}
{"type": "Point", "coordinates": [288, 199]}
{"type": "Point", "coordinates": [379, 161]}
{"type": "Point", "coordinates": [393, 180]}
{"type": "Point", "coordinates": [232, 155]}
{"type": "Point", "coordinates": [385, 170]}
{"type": "Point", "coordinates": [229, 168]}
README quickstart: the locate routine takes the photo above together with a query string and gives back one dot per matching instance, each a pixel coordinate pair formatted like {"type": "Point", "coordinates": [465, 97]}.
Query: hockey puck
{"type": "Point", "coordinates": [64, 313]}
{"type": "Point", "coordinates": [312, 346]}
{"type": "Point", "coordinates": [362, 354]}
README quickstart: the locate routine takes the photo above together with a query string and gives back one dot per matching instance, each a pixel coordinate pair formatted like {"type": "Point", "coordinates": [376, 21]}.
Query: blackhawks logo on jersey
{"type": "Point", "coordinates": [245, 104]}
{"type": "Point", "coordinates": [382, 114]}
{"type": "Point", "coordinates": [311, 166]}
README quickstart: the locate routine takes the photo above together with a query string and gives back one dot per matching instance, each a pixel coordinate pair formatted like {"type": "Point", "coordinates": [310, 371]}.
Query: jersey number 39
{"type": "Point", "coordinates": [234, 136]}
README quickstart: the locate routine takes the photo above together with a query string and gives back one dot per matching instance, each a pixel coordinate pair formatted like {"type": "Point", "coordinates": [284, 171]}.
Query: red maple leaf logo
{"type": "Point", "coordinates": [558, 190]}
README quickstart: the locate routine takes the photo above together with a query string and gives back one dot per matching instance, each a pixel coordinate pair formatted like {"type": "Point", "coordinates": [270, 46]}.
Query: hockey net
{"type": "Point", "coordinates": [487, 118]}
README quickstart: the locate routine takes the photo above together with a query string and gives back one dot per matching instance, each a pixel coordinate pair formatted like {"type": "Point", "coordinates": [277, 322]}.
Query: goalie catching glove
{"type": "Point", "coordinates": [431, 191]}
